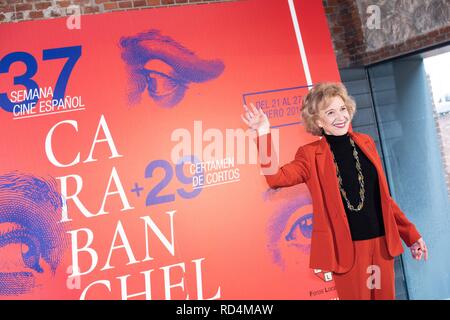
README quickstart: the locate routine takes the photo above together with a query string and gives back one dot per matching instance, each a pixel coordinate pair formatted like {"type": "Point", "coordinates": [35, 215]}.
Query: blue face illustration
{"type": "Point", "coordinates": [164, 67]}
{"type": "Point", "coordinates": [290, 227]}
{"type": "Point", "coordinates": [32, 240]}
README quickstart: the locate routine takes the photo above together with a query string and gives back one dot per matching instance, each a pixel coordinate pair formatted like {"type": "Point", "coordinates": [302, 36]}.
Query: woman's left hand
{"type": "Point", "coordinates": [418, 249]}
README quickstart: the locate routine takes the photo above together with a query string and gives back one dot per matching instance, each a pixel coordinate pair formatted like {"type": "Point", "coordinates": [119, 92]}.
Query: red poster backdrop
{"type": "Point", "coordinates": [121, 172]}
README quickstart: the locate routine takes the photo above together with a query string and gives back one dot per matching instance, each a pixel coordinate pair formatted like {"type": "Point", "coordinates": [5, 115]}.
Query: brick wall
{"type": "Point", "coordinates": [345, 28]}
{"type": "Point", "coordinates": [405, 27]}
{"type": "Point", "coordinates": [354, 44]}
{"type": "Point", "coordinates": [22, 10]}
{"type": "Point", "coordinates": [442, 122]}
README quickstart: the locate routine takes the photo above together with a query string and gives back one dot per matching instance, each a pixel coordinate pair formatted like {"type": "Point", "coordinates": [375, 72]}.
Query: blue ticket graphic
{"type": "Point", "coordinates": [282, 106]}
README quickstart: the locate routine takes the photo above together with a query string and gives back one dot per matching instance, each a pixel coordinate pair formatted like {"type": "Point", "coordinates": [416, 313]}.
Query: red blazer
{"type": "Point", "coordinates": [331, 243]}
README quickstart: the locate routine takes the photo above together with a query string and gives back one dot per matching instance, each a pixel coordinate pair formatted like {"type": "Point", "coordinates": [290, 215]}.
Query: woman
{"type": "Point", "coordinates": [357, 225]}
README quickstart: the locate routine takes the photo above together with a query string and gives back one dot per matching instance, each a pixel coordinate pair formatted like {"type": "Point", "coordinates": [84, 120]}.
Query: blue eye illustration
{"type": "Point", "coordinates": [304, 224]}
{"type": "Point", "coordinates": [290, 227]}
{"type": "Point", "coordinates": [29, 247]}
{"type": "Point", "coordinates": [31, 238]}
{"type": "Point", "coordinates": [164, 67]}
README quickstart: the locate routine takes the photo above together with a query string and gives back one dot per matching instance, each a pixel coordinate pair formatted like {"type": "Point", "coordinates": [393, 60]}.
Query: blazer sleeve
{"type": "Point", "coordinates": [406, 228]}
{"type": "Point", "coordinates": [295, 172]}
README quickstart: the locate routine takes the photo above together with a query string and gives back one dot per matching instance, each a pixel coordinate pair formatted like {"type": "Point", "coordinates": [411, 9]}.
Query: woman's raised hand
{"type": "Point", "coordinates": [256, 119]}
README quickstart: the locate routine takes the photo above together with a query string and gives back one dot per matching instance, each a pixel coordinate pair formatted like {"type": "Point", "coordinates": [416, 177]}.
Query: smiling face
{"type": "Point", "coordinates": [334, 118]}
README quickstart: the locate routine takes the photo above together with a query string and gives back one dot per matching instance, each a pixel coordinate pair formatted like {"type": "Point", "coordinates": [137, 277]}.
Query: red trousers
{"type": "Point", "coordinates": [372, 276]}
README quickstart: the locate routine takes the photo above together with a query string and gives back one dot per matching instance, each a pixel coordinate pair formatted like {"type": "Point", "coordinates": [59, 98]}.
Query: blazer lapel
{"type": "Point", "coordinates": [328, 178]}
{"type": "Point", "coordinates": [370, 152]}
{"type": "Point", "coordinates": [366, 147]}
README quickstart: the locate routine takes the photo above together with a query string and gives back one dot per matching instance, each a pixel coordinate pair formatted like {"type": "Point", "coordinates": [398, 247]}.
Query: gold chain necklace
{"type": "Point", "coordinates": [360, 179]}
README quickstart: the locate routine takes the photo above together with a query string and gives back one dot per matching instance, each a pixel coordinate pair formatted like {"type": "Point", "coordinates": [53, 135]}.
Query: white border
{"type": "Point", "coordinates": [298, 34]}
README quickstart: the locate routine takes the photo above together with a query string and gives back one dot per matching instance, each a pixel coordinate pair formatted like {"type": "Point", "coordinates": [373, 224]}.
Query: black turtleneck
{"type": "Point", "coordinates": [368, 222]}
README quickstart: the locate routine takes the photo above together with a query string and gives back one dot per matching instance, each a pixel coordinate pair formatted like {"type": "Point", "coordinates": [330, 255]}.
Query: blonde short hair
{"type": "Point", "coordinates": [318, 98]}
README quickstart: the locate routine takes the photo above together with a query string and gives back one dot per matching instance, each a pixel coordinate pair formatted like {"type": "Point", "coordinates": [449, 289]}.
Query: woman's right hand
{"type": "Point", "coordinates": [256, 119]}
